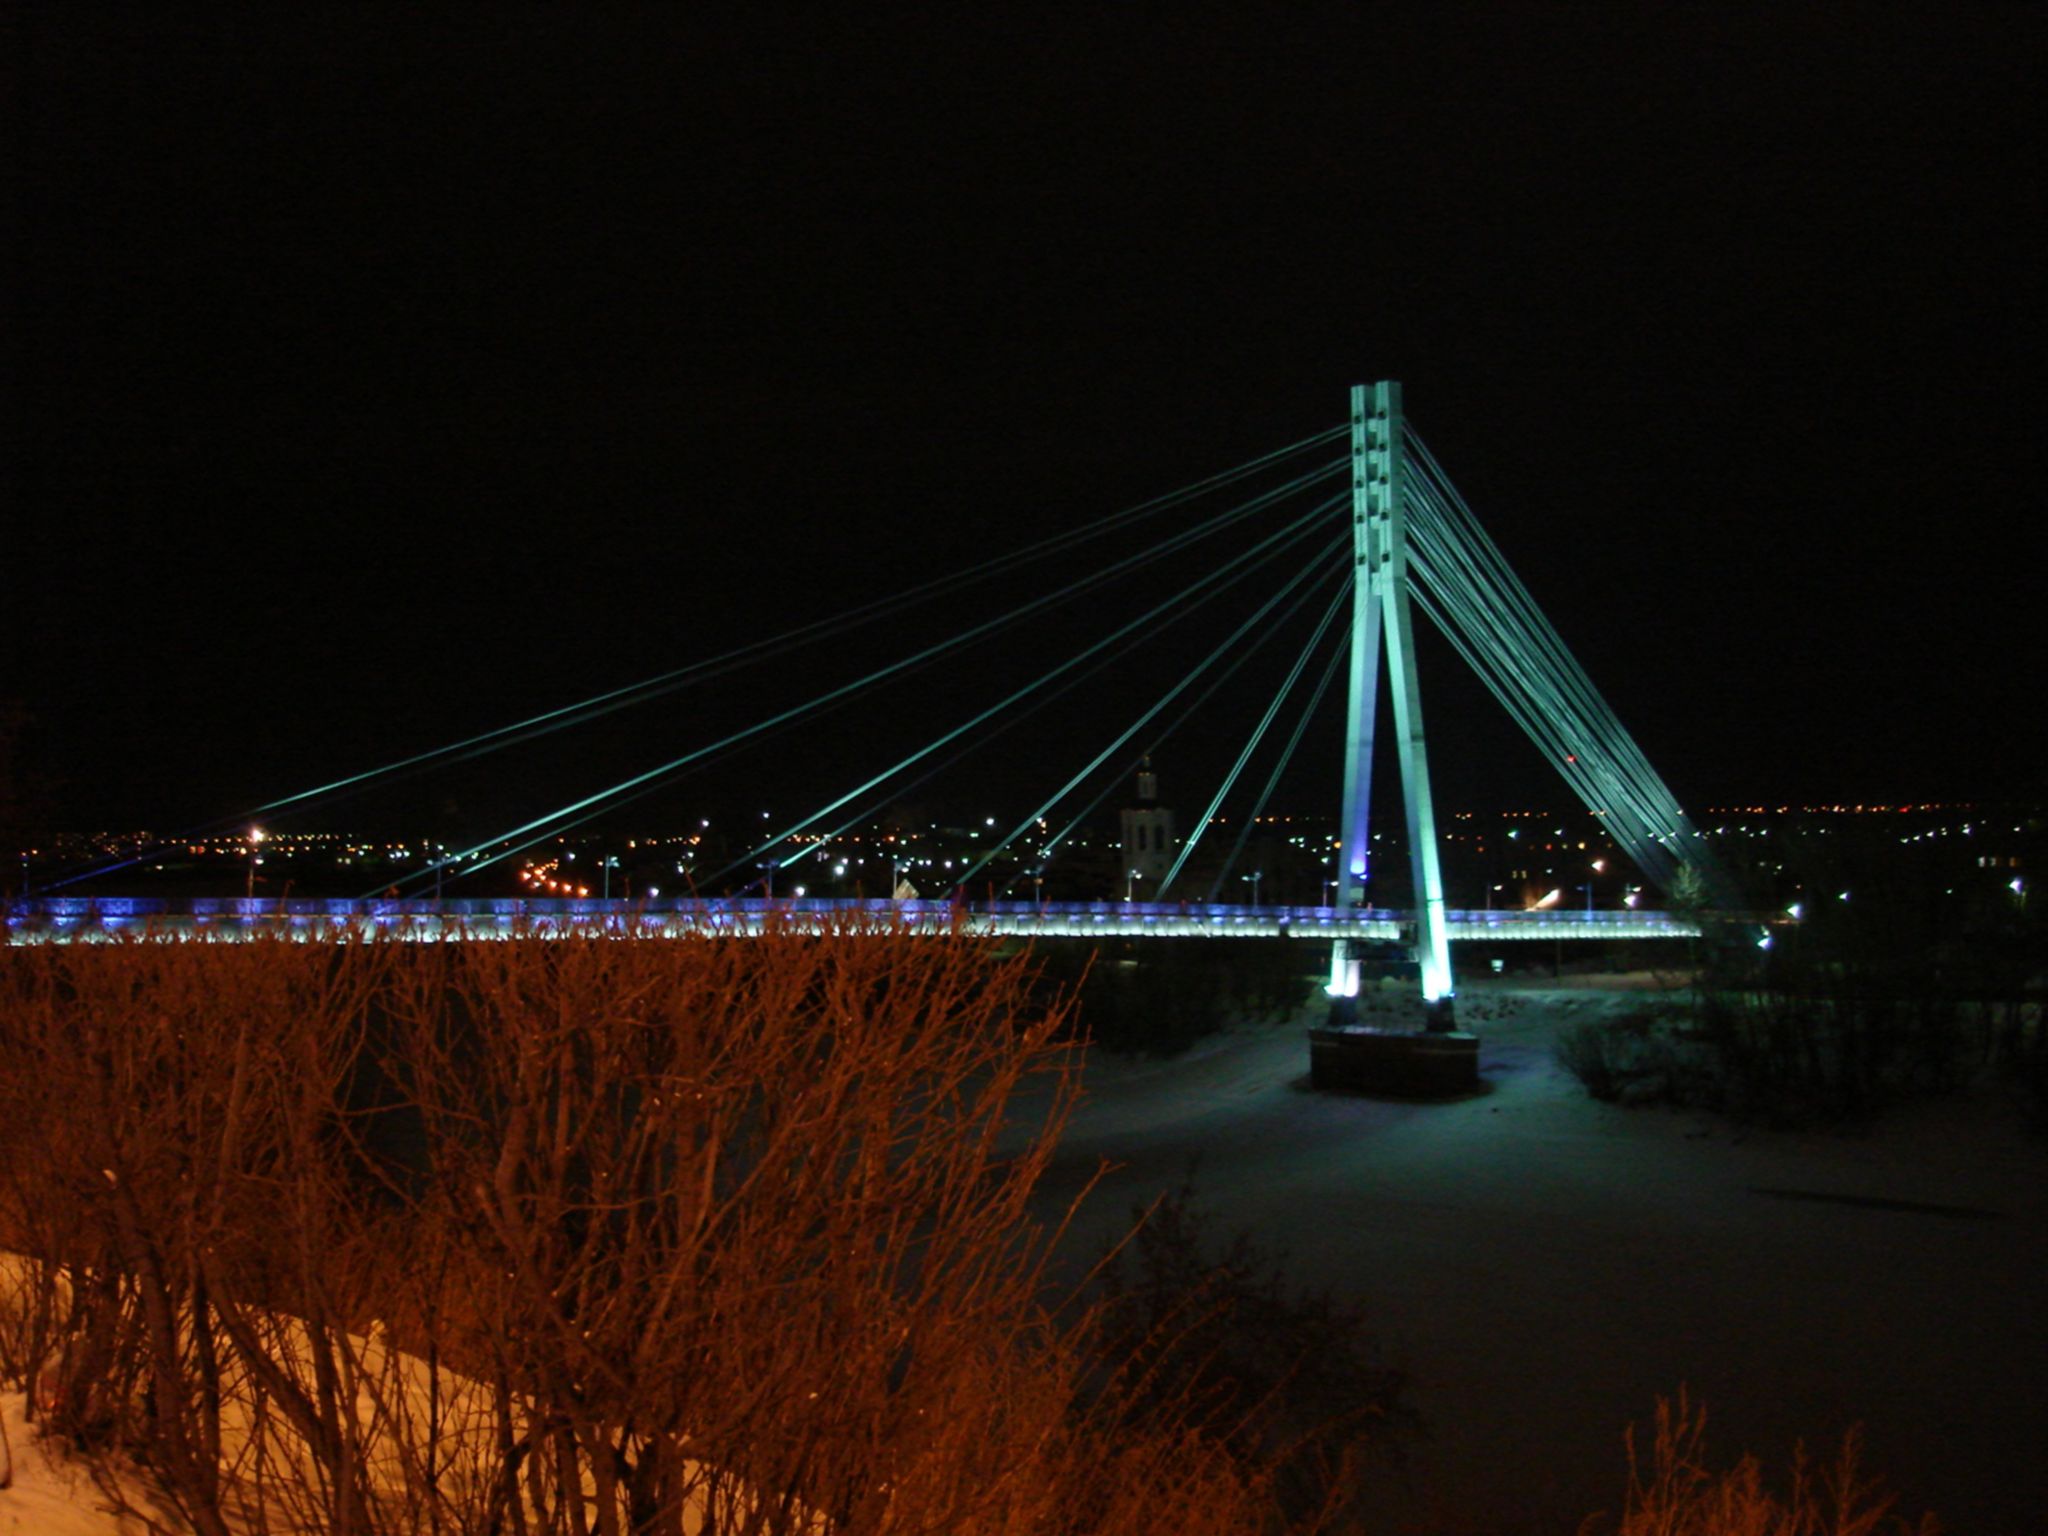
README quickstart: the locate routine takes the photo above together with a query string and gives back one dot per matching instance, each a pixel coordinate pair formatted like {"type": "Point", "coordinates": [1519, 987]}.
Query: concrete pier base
{"type": "Point", "coordinates": [1407, 1064]}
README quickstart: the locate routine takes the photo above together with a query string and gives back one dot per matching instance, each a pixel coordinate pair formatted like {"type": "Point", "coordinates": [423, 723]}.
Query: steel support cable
{"type": "Point", "coordinates": [715, 755]}
{"type": "Point", "coordinates": [554, 819]}
{"type": "Point", "coordinates": [1229, 642]}
{"type": "Point", "coordinates": [1588, 751]}
{"type": "Point", "coordinates": [655, 687]}
{"type": "Point", "coordinates": [1509, 648]}
{"type": "Point", "coordinates": [1594, 790]}
{"type": "Point", "coordinates": [648, 689]}
{"type": "Point", "coordinates": [1459, 523]}
{"type": "Point", "coordinates": [1629, 782]}
{"type": "Point", "coordinates": [1459, 513]}
{"type": "Point", "coordinates": [1534, 643]}
{"type": "Point", "coordinates": [1629, 786]}
{"type": "Point", "coordinates": [1338, 656]}
{"type": "Point", "coordinates": [1192, 596]}
{"type": "Point", "coordinates": [1167, 547]}
{"type": "Point", "coordinates": [868, 810]}
{"type": "Point", "coordinates": [1525, 711]}
{"type": "Point", "coordinates": [730, 746]}
{"type": "Point", "coordinates": [1258, 735]}
{"type": "Point", "coordinates": [1302, 527]}
{"type": "Point", "coordinates": [1574, 742]}
{"type": "Point", "coordinates": [1166, 733]}
{"type": "Point", "coordinates": [1187, 713]}
{"type": "Point", "coordinates": [1428, 593]}
{"type": "Point", "coordinates": [1537, 641]}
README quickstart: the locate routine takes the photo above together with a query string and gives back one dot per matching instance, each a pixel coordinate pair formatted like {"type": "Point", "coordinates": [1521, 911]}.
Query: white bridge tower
{"type": "Point", "coordinates": [1380, 608]}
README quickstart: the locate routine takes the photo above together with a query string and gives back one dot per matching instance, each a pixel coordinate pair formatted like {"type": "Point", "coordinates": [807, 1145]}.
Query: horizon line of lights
{"type": "Point", "coordinates": [239, 841]}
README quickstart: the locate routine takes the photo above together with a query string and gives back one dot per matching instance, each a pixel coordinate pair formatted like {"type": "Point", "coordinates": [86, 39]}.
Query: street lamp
{"type": "Point", "coordinates": [1255, 876]}
{"type": "Point", "coordinates": [255, 838]}
{"type": "Point", "coordinates": [609, 863]}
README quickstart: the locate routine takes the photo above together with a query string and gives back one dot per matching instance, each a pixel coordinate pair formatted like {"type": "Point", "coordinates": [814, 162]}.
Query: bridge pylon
{"type": "Point", "coordinates": [1380, 616]}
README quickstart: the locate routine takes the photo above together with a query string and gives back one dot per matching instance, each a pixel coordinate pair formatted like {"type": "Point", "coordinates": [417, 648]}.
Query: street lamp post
{"type": "Point", "coordinates": [255, 839]}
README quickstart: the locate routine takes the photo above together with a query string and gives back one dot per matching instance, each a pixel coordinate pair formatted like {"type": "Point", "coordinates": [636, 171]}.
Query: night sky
{"type": "Point", "coordinates": [380, 375]}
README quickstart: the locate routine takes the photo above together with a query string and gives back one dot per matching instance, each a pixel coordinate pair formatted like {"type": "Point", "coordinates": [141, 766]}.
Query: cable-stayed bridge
{"type": "Point", "coordinates": [1342, 535]}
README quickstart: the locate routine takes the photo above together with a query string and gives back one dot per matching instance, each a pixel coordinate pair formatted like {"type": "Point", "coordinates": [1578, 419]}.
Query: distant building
{"type": "Point", "coordinates": [1148, 832]}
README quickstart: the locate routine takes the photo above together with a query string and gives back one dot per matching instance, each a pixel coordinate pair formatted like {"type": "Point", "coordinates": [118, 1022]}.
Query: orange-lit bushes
{"type": "Point", "coordinates": [1678, 1494]}
{"type": "Point", "coordinates": [568, 1235]}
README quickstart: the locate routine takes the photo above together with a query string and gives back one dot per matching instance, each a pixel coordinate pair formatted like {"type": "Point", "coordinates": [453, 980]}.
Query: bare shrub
{"type": "Point", "coordinates": [1587, 1051]}
{"type": "Point", "coordinates": [1198, 1325]}
{"type": "Point", "coordinates": [179, 1164]}
{"type": "Point", "coordinates": [570, 1235]}
{"type": "Point", "coordinates": [1631, 1059]}
{"type": "Point", "coordinates": [1680, 1494]}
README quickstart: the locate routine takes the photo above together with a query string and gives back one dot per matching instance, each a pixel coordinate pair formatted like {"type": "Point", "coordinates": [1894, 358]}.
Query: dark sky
{"type": "Point", "coordinates": [379, 375]}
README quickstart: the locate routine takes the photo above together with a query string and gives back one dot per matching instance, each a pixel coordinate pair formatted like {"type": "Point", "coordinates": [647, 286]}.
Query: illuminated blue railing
{"type": "Point", "coordinates": [499, 916]}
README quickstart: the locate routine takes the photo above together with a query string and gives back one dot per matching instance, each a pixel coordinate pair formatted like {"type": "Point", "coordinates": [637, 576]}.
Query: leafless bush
{"type": "Point", "coordinates": [571, 1235]}
{"type": "Point", "coordinates": [1634, 1059]}
{"type": "Point", "coordinates": [178, 1166]}
{"type": "Point", "coordinates": [1200, 1325]}
{"type": "Point", "coordinates": [1679, 1494]}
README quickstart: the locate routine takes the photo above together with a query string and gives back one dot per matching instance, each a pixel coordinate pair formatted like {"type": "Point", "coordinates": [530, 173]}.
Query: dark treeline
{"type": "Point", "coordinates": [1866, 977]}
{"type": "Point", "coordinates": [1159, 996]}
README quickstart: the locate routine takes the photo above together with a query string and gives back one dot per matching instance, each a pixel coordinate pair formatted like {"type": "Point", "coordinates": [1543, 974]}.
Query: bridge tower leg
{"type": "Point", "coordinates": [1380, 608]}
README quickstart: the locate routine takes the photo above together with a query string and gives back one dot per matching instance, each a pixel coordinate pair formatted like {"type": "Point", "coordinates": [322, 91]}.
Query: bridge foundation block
{"type": "Point", "coordinates": [1439, 1062]}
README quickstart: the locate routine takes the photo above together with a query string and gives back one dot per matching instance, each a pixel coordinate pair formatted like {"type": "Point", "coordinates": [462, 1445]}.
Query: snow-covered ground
{"type": "Point", "coordinates": [1547, 1265]}
{"type": "Point", "coordinates": [49, 1495]}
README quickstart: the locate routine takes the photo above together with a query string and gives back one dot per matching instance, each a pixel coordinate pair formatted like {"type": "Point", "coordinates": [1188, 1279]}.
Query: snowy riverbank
{"type": "Point", "coordinates": [1546, 1265]}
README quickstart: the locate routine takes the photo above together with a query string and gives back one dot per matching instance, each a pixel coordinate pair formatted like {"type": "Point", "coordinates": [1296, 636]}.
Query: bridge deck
{"type": "Point", "coordinates": [59, 917]}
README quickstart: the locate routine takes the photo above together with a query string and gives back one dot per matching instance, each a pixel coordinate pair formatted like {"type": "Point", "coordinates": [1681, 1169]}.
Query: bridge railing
{"type": "Point", "coordinates": [61, 915]}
